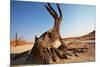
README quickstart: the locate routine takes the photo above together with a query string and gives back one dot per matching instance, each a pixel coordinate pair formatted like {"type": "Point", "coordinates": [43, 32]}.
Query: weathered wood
{"type": "Point", "coordinates": [68, 53]}
{"type": "Point", "coordinates": [59, 53]}
{"type": "Point", "coordinates": [54, 55]}
{"type": "Point", "coordinates": [75, 54]}
{"type": "Point", "coordinates": [55, 32]}
{"type": "Point", "coordinates": [65, 55]}
{"type": "Point", "coordinates": [47, 57]}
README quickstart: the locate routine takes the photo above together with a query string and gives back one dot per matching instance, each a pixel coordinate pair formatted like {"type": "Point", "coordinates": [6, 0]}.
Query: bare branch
{"type": "Point", "coordinates": [52, 9]}
{"type": "Point", "coordinates": [49, 10]}
{"type": "Point", "coordinates": [60, 12]}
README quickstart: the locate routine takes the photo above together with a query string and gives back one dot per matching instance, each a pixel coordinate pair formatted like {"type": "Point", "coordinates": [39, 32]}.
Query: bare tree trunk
{"type": "Point", "coordinates": [16, 39]}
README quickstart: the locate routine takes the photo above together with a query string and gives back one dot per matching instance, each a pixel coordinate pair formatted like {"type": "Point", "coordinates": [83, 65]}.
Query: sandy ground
{"type": "Point", "coordinates": [20, 49]}
{"type": "Point", "coordinates": [88, 56]}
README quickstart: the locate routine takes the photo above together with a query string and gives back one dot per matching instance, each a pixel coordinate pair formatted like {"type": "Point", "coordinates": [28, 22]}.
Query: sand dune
{"type": "Point", "coordinates": [20, 43]}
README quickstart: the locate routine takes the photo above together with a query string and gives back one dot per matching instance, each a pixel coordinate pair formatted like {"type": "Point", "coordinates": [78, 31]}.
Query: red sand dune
{"type": "Point", "coordinates": [20, 43]}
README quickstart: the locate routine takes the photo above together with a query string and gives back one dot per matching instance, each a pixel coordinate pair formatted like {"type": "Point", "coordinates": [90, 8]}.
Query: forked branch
{"type": "Point", "coordinates": [60, 12]}
{"type": "Point", "coordinates": [53, 12]}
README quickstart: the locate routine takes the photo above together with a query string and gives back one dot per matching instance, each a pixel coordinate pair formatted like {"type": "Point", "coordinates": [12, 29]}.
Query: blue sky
{"type": "Point", "coordinates": [32, 18]}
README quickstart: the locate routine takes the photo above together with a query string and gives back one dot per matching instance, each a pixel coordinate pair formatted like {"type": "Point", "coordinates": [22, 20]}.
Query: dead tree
{"type": "Point", "coordinates": [55, 32]}
{"type": "Point", "coordinates": [16, 39]}
{"type": "Point", "coordinates": [47, 47]}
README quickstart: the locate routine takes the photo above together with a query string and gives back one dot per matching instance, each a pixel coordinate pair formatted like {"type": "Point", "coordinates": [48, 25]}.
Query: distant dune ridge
{"type": "Point", "coordinates": [89, 36]}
